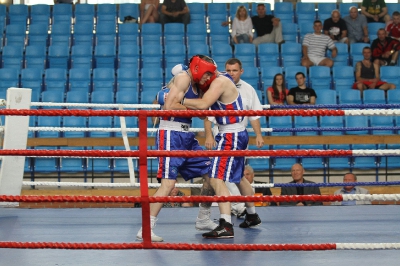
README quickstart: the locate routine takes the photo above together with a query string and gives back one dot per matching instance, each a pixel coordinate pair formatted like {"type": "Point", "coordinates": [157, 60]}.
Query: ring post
{"type": "Point", "coordinates": [15, 137]}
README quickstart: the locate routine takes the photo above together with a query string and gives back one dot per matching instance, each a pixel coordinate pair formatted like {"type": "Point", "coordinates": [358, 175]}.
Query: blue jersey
{"type": "Point", "coordinates": [191, 93]}
{"type": "Point", "coordinates": [237, 104]}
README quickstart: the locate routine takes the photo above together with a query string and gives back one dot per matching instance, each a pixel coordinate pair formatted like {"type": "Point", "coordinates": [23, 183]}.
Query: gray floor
{"type": "Point", "coordinates": [325, 224]}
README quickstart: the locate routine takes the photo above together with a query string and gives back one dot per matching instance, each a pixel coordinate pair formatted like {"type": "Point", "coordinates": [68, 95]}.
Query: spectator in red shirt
{"type": "Point", "coordinates": [385, 50]}
{"type": "Point", "coordinates": [393, 28]}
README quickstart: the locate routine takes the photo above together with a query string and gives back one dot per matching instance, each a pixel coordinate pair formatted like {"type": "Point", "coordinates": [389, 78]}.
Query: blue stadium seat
{"type": "Point", "coordinates": [349, 97]}
{"type": "Point", "coordinates": [306, 122]}
{"type": "Point", "coordinates": [128, 56]}
{"type": "Point", "coordinates": [356, 52]}
{"type": "Point", "coordinates": [251, 75]}
{"type": "Point", "coordinates": [246, 53]}
{"type": "Point", "coordinates": [99, 165]}
{"type": "Point", "coordinates": [218, 33]}
{"type": "Point", "coordinates": [151, 77]}
{"type": "Point", "coordinates": [268, 54]}
{"type": "Point", "coordinates": [106, 34]}
{"type": "Point", "coordinates": [304, 29]}
{"type": "Point", "coordinates": [80, 80]}
{"type": "Point", "coordinates": [152, 55]}
{"type": "Point", "coordinates": [325, 10]}
{"type": "Point", "coordinates": [9, 77]}
{"type": "Point", "coordinates": [197, 13]}
{"type": "Point", "coordinates": [104, 79]}
{"type": "Point", "coordinates": [126, 97]}
{"type": "Point", "coordinates": [75, 121]}
{"type": "Point", "coordinates": [344, 8]}
{"type": "Point", "coordinates": [82, 56]}
{"type": "Point", "coordinates": [58, 56]}
{"type": "Point", "coordinates": [73, 165]}
{"type": "Point", "coordinates": [291, 54]}
{"type": "Point", "coordinates": [331, 122]}
{"type": "Point", "coordinates": [38, 34]}
{"type": "Point", "coordinates": [106, 97]}
{"type": "Point", "coordinates": [393, 96]}
{"type": "Point", "coordinates": [290, 32]}
{"type": "Point", "coordinates": [84, 13]}
{"type": "Point", "coordinates": [128, 9]}
{"type": "Point", "coordinates": [268, 74]}
{"type": "Point", "coordinates": [77, 96]}
{"type": "Point", "coordinates": [174, 33]}
{"type": "Point", "coordinates": [52, 96]}
{"type": "Point", "coordinates": [305, 12]}
{"type": "Point", "coordinates": [62, 14]}
{"type": "Point", "coordinates": [151, 33]}
{"type": "Point", "coordinates": [51, 121]}
{"type": "Point", "coordinates": [128, 80]}
{"type": "Point", "coordinates": [364, 162]}
{"type": "Point", "coordinates": [280, 122]}
{"type": "Point", "coordinates": [128, 34]}
{"type": "Point", "coordinates": [35, 56]}
{"type": "Point", "coordinates": [55, 79]}
{"type": "Point", "coordinates": [391, 74]}
{"type": "Point", "coordinates": [40, 14]}
{"type": "Point", "coordinates": [105, 55]}
{"type": "Point", "coordinates": [45, 165]}
{"type": "Point", "coordinates": [60, 34]}
{"type": "Point", "coordinates": [382, 121]}
{"type": "Point", "coordinates": [106, 12]}
{"type": "Point", "coordinates": [283, 164]}
{"type": "Point", "coordinates": [12, 56]}
{"type": "Point", "coordinates": [15, 35]}
{"type": "Point", "coordinates": [290, 75]}
{"type": "Point", "coordinates": [339, 162]}
{"type": "Point", "coordinates": [83, 33]}
{"type": "Point", "coordinates": [343, 78]}
{"type": "Point", "coordinates": [196, 33]}
{"type": "Point", "coordinates": [320, 78]}
{"type": "Point", "coordinates": [356, 122]}
{"type": "Point", "coordinates": [326, 97]}
{"type": "Point", "coordinates": [3, 14]}
{"type": "Point", "coordinates": [259, 164]}
{"type": "Point", "coordinates": [175, 54]}
{"type": "Point", "coordinates": [391, 7]}
{"type": "Point", "coordinates": [32, 78]}
{"type": "Point", "coordinates": [217, 12]}
{"type": "Point", "coordinates": [130, 122]}
{"type": "Point", "coordinates": [342, 58]}
{"type": "Point", "coordinates": [284, 11]}
{"type": "Point", "coordinates": [313, 163]}
{"type": "Point", "coordinates": [373, 29]}
{"type": "Point", "coordinates": [104, 122]}
{"type": "Point", "coordinates": [374, 97]}
{"type": "Point", "coordinates": [233, 6]}
{"type": "Point", "coordinates": [18, 14]}
{"type": "Point", "coordinates": [198, 49]}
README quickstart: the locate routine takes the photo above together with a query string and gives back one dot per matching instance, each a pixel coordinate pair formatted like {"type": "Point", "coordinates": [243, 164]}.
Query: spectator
{"type": "Point", "coordinates": [174, 193]}
{"type": "Point", "coordinates": [357, 27]}
{"type": "Point", "coordinates": [149, 11]}
{"type": "Point", "coordinates": [335, 27]}
{"type": "Point", "coordinates": [375, 10]}
{"type": "Point", "coordinates": [314, 48]}
{"type": "Point", "coordinates": [277, 93]}
{"type": "Point", "coordinates": [385, 50]}
{"type": "Point", "coordinates": [174, 11]}
{"type": "Point", "coordinates": [393, 28]}
{"type": "Point", "coordinates": [351, 178]}
{"type": "Point", "coordinates": [268, 28]}
{"type": "Point", "coordinates": [301, 94]}
{"type": "Point", "coordinates": [242, 27]}
{"type": "Point", "coordinates": [297, 175]}
{"type": "Point", "coordinates": [367, 74]}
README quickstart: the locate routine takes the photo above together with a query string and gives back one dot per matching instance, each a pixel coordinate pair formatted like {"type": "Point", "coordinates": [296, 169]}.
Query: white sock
{"type": "Point", "coordinates": [227, 217]}
{"type": "Point", "coordinates": [153, 220]}
{"type": "Point", "coordinates": [204, 213]}
{"type": "Point", "coordinates": [251, 210]}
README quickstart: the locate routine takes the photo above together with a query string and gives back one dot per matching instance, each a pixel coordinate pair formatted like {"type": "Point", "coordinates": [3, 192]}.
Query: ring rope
{"type": "Point", "coordinates": [189, 185]}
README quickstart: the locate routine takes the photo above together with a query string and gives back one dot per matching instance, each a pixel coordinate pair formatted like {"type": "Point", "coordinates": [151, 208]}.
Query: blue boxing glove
{"type": "Point", "coordinates": [178, 68]}
{"type": "Point", "coordinates": [162, 95]}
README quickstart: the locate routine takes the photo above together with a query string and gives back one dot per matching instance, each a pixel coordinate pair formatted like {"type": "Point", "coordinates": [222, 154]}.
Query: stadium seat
{"type": "Point", "coordinates": [342, 57]}
{"type": "Point", "coordinates": [268, 74]}
{"type": "Point", "coordinates": [336, 163]}
{"type": "Point", "coordinates": [325, 10]}
{"type": "Point", "coordinates": [128, 56]}
{"type": "Point", "coordinates": [280, 122]}
{"type": "Point", "coordinates": [290, 32]}
{"type": "Point", "coordinates": [283, 164]}
{"type": "Point", "coordinates": [268, 54]}
{"type": "Point", "coordinates": [80, 80]}
{"type": "Point", "coordinates": [62, 14]}
{"type": "Point", "coordinates": [58, 56]}
{"type": "Point", "coordinates": [326, 97]}
{"type": "Point", "coordinates": [343, 78]}
{"type": "Point", "coordinates": [15, 34]}
{"type": "Point", "coordinates": [291, 54]}
{"type": "Point", "coordinates": [35, 56]}
{"type": "Point", "coordinates": [391, 74]}
{"type": "Point", "coordinates": [246, 53]}
{"type": "Point", "coordinates": [306, 122]}
{"type": "Point", "coordinates": [105, 55]}
{"type": "Point", "coordinates": [83, 33]}
{"type": "Point", "coordinates": [45, 165]}
{"type": "Point", "coordinates": [197, 13]}
{"type": "Point", "coordinates": [32, 78]}
{"type": "Point", "coordinates": [130, 121]}
{"type": "Point", "coordinates": [128, 34]}
{"type": "Point", "coordinates": [55, 79]}
{"type": "Point", "coordinates": [152, 55]}
{"type": "Point", "coordinates": [106, 34]}
{"type": "Point", "coordinates": [356, 122]}
{"type": "Point", "coordinates": [382, 121]}
{"type": "Point", "coordinates": [73, 165]}
{"type": "Point", "coordinates": [106, 12]}
{"type": "Point", "coordinates": [84, 13]}
{"type": "Point", "coordinates": [349, 97]}
{"type": "Point", "coordinates": [284, 11]}
{"type": "Point", "coordinates": [305, 28]}
{"type": "Point", "coordinates": [290, 75]}
{"type": "Point", "coordinates": [196, 33]}
{"type": "Point", "coordinates": [51, 121]}
{"type": "Point", "coordinates": [393, 96]}
{"type": "Point", "coordinates": [13, 56]}
{"type": "Point", "coordinates": [18, 14]}
{"type": "Point", "coordinates": [174, 33]}
{"type": "Point", "coordinates": [104, 122]}
{"type": "Point", "coordinates": [82, 56]}
{"type": "Point", "coordinates": [104, 97]}
{"type": "Point", "coordinates": [344, 8]}
{"type": "Point", "coordinates": [52, 96]}
{"type": "Point", "coordinates": [374, 97]}
{"type": "Point", "coordinates": [356, 52]}
{"type": "Point", "coordinates": [251, 75]}
{"type": "Point", "coordinates": [60, 34]}
{"type": "Point", "coordinates": [331, 122]}
{"type": "Point", "coordinates": [128, 80]}
{"type": "Point", "coordinates": [76, 96]}
{"type": "Point", "coordinates": [99, 165]}
{"type": "Point", "coordinates": [151, 34]}
{"type": "Point", "coordinates": [9, 77]}
{"type": "Point", "coordinates": [152, 77]}
{"type": "Point", "coordinates": [305, 12]}
{"type": "Point", "coordinates": [217, 12]}
{"type": "Point", "coordinates": [40, 14]}
{"type": "Point", "coordinates": [364, 162]}
{"type": "Point", "coordinates": [218, 33]}
{"type": "Point", "coordinates": [320, 78]}
{"type": "Point", "coordinates": [174, 54]}
{"type": "Point", "coordinates": [104, 79]}
{"type": "Point", "coordinates": [128, 9]}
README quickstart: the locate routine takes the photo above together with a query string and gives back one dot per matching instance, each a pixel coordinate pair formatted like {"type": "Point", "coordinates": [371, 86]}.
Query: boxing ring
{"type": "Point", "coordinates": [334, 234]}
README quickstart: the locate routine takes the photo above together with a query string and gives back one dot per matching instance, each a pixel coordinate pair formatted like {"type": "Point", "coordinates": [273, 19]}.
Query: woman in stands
{"type": "Point", "coordinates": [242, 27]}
{"type": "Point", "coordinates": [149, 11]}
{"type": "Point", "coordinates": [277, 92]}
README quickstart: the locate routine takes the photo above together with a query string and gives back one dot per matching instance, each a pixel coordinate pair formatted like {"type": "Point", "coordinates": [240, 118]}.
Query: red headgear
{"type": "Point", "coordinates": [198, 67]}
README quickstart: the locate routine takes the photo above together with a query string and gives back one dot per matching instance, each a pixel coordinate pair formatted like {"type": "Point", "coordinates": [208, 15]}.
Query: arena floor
{"type": "Point", "coordinates": [324, 224]}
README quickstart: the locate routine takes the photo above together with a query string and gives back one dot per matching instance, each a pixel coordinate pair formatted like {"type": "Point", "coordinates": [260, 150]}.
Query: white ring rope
{"type": "Point", "coordinates": [96, 105]}
{"type": "Point", "coordinates": [368, 246]}
{"type": "Point", "coordinates": [380, 197]}
{"type": "Point", "coordinates": [103, 129]}
{"type": "Point", "coordinates": [383, 112]}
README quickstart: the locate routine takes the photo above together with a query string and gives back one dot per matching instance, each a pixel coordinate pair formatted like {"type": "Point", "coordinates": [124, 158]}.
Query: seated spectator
{"type": "Point", "coordinates": [393, 28]}
{"type": "Point", "coordinates": [268, 28]}
{"type": "Point", "coordinates": [335, 27]}
{"type": "Point", "coordinates": [351, 178]}
{"type": "Point", "coordinates": [385, 50]}
{"type": "Point", "coordinates": [357, 27]}
{"type": "Point", "coordinates": [367, 75]}
{"type": "Point", "coordinates": [375, 10]}
{"type": "Point", "coordinates": [175, 11]}
{"type": "Point", "coordinates": [176, 192]}
{"type": "Point", "coordinates": [301, 94]}
{"type": "Point", "coordinates": [242, 27]}
{"type": "Point", "coordinates": [149, 11]}
{"type": "Point", "coordinates": [297, 175]}
{"type": "Point", "coordinates": [314, 48]}
{"type": "Point", "coordinates": [277, 93]}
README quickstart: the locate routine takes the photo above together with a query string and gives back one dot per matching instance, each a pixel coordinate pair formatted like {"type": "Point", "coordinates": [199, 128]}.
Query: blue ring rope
{"type": "Point", "coordinates": [337, 184]}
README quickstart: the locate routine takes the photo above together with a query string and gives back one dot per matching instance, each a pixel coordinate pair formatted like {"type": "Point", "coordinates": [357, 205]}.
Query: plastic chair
{"type": "Point", "coordinates": [151, 34]}
{"type": "Point", "coordinates": [126, 97]}
{"type": "Point", "coordinates": [103, 166]}
{"type": "Point", "coordinates": [290, 32]}
{"type": "Point", "coordinates": [358, 122]}
{"type": "Point", "coordinates": [331, 122]}
{"type": "Point", "coordinates": [35, 56]}
{"type": "Point", "coordinates": [175, 54]}
{"type": "Point", "coordinates": [128, 56]}
{"type": "Point", "coordinates": [103, 79]}
{"type": "Point", "coordinates": [73, 165]}
{"type": "Point", "coordinates": [393, 96]}
{"type": "Point", "coordinates": [152, 75]}
{"type": "Point", "coordinates": [344, 8]}
{"type": "Point", "coordinates": [221, 50]}
{"type": "Point", "coordinates": [77, 96]}
{"type": "Point", "coordinates": [197, 13]}
{"type": "Point", "coordinates": [53, 96]}
{"type": "Point", "coordinates": [130, 122]}
{"type": "Point", "coordinates": [60, 34]}
{"type": "Point", "coordinates": [280, 122]}
{"type": "Point", "coordinates": [105, 55]}
{"type": "Point", "coordinates": [373, 29]}
{"type": "Point", "coordinates": [83, 33]}
{"type": "Point", "coordinates": [128, 34]}
{"type": "Point", "coordinates": [251, 75]}
{"type": "Point", "coordinates": [174, 33]}
{"type": "Point", "coordinates": [3, 14]}
{"type": "Point", "coordinates": [325, 10]}
{"type": "Point", "coordinates": [152, 55]}
{"type": "Point", "coordinates": [306, 122]}
{"type": "Point", "coordinates": [283, 164]}
{"type": "Point", "coordinates": [267, 75]}
{"type": "Point", "coordinates": [313, 163]}
{"type": "Point", "coordinates": [105, 122]}
{"type": "Point", "coordinates": [106, 97]}
{"type": "Point", "coordinates": [268, 54]}
{"type": "Point", "coordinates": [305, 12]}
{"type": "Point", "coordinates": [374, 97]}
{"type": "Point", "coordinates": [128, 9]}
{"type": "Point", "coordinates": [349, 97]}
{"type": "Point", "coordinates": [45, 165]}
{"type": "Point", "coordinates": [391, 74]}
{"type": "Point", "coordinates": [246, 52]}
{"type": "Point", "coordinates": [128, 80]}
{"type": "Point", "coordinates": [320, 77]}
{"type": "Point", "coordinates": [342, 58]}
{"type": "Point", "coordinates": [58, 56]}
{"type": "Point", "coordinates": [196, 33]}
{"type": "Point", "coordinates": [326, 97]}
{"type": "Point", "coordinates": [18, 14]}
{"type": "Point", "coordinates": [40, 14]}
{"type": "Point", "coordinates": [32, 78]}
{"type": "Point", "coordinates": [62, 14]}
{"type": "Point", "coordinates": [356, 52]}
{"type": "Point", "coordinates": [106, 34]}
{"type": "Point", "coordinates": [38, 34]}
{"type": "Point", "coordinates": [82, 56]}
{"type": "Point", "coordinates": [339, 162]}
{"type": "Point", "coordinates": [218, 33]}
{"type": "Point", "coordinates": [370, 162]}
{"type": "Point", "coordinates": [217, 12]}
{"type": "Point", "coordinates": [233, 6]}
{"type": "Point", "coordinates": [291, 54]}
{"type": "Point", "coordinates": [9, 77]}
{"type": "Point", "coordinates": [55, 79]}
{"type": "Point", "coordinates": [304, 29]}
{"type": "Point", "coordinates": [290, 75]}
{"type": "Point", "coordinates": [382, 121]}
{"type": "Point", "coordinates": [107, 12]}
{"type": "Point", "coordinates": [79, 80]}
{"type": "Point", "coordinates": [84, 13]}
{"type": "Point", "coordinates": [15, 35]}
{"type": "Point", "coordinates": [284, 11]}
{"type": "Point", "coordinates": [343, 78]}
{"type": "Point", "coordinates": [12, 57]}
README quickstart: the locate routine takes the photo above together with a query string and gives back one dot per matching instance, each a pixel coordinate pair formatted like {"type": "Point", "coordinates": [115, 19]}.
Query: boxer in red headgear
{"type": "Point", "coordinates": [200, 65]}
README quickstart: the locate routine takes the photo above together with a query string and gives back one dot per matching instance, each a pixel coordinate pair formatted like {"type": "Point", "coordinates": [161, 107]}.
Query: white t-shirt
{"type": "Point", "coordinates": [317, 44]}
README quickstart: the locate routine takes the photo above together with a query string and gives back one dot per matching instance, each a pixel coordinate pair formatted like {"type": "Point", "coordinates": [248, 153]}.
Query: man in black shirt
{"type": "Point", "coordinates": [174, 11]}
{"type": "Point", "coordinates": [268, 28]}
{"type": "Point", "coordinates": [336, 28]}
{"type": "Point", "coordinates": [301, 94]}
